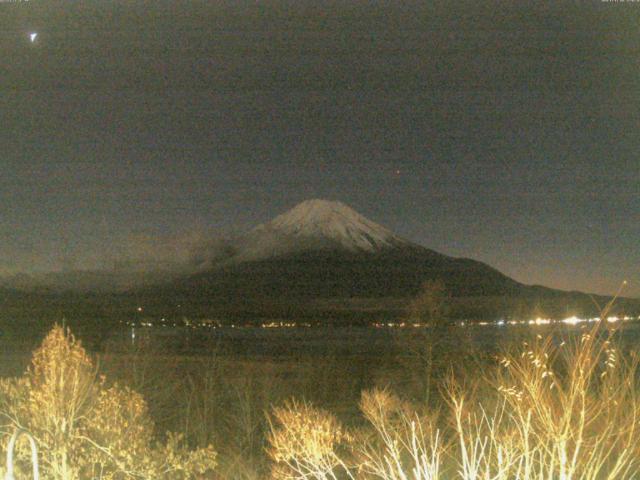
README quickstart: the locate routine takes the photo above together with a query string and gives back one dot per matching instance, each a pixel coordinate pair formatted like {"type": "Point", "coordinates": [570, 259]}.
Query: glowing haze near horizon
{"type": "Point", "coordinates": [506, 134]}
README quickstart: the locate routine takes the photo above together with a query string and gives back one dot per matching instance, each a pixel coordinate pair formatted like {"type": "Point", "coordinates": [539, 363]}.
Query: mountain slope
{"type": "Point", "coordinates": [327, 273]}
{"type": "Point", "coordinates": [322, 256]}
{"type": "Point", "coordinates": [322, 250]}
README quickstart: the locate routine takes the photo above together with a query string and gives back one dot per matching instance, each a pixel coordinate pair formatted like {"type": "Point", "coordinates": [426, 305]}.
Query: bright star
{"type": "Point", "coordinates": [32, 37]}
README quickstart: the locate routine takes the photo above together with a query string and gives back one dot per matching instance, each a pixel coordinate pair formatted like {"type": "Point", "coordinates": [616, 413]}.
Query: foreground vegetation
{"type": "Point", "coordinates": [546, 409]}
{"type": "Point", "coordinates": [552, 411]}
{"type": "Point", "coordinates": [85, 428]}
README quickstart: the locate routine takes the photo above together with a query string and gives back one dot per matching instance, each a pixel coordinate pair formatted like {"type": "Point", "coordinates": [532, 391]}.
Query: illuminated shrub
{"type": "Point", "coordinates": [85, 428]}
{"type": "Point", "coordinates": [399, 440]}
{"type": "Point", "coordinates": [565, 410]}
{"type": "Point", "coordinates": [306, 443]}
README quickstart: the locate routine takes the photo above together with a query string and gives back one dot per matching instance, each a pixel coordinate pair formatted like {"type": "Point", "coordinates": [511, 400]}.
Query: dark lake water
{"type": "Point", "coordinates": [347, 340]}
{"type": "Point", "coordinates": [308, 342]}
{"type": "Point", "coordinates": [312, 341]}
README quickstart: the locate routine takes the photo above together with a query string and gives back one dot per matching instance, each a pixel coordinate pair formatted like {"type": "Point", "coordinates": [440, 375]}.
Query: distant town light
{"type": "Point", "coordinates": [572, 320]}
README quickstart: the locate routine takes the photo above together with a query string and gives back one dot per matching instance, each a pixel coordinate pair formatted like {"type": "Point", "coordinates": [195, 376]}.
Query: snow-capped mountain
{"type": "Point", "coordinates": [324, 248]}
{"type": "Point", "coordinates": [321, 259]}
{"type": "Point", "coordinates": [324, 223]}
{"type": "Point", "coordinates": [313, 225]}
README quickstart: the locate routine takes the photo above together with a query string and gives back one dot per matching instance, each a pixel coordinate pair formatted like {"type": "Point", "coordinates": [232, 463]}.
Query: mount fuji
{"type": "Point", "coordinates": [314, 225]}
{"type": "Point", "coordinates": [332, 223]}
{"type": "Point", "coordinates": [328, 240]}
{"type": "Point", "coordinates": [321, 261]}
{"type": "Point", "coordinates": [322, 257]}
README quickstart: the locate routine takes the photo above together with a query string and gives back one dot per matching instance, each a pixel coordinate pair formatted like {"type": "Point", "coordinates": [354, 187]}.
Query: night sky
{"type": "Point", "coordinates": [506, 134]}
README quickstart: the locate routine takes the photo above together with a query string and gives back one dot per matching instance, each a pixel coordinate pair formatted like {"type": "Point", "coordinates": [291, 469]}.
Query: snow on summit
{"type": "Point", "coordinates": [332, 221]}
